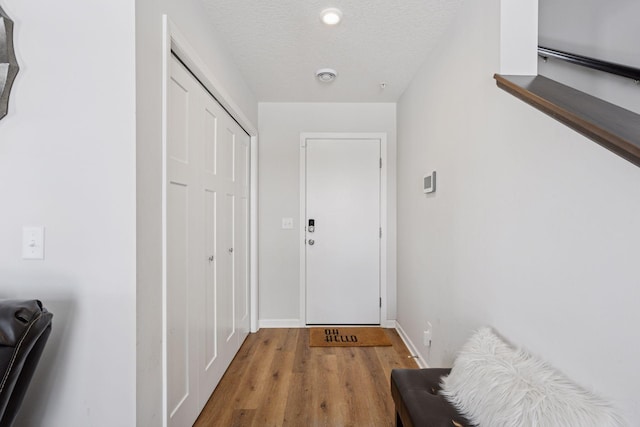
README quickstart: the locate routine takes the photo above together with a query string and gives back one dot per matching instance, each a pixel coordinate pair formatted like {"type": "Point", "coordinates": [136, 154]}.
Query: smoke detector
{"type": "Point", "coordinates": [326, 75]}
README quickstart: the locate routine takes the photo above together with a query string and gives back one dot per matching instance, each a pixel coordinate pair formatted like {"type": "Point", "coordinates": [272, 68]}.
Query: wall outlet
{"type": "Point", "coordinates": [427, 335]}
{"type": "Point", "coordinates": [426, 339]}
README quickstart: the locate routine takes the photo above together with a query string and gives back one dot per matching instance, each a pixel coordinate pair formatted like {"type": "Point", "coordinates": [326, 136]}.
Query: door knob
{"type": "Point", "coordinates": [312, 242]}
{"type": "Point", "coordinates": [230, 250]}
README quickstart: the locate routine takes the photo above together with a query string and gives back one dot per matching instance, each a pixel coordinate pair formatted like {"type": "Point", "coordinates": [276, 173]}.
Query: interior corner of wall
{"type": "Point", "coordinates": [518, 37]}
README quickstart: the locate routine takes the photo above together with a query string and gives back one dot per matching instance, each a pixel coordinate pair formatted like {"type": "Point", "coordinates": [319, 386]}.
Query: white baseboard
{"type": "Point", "coordinates": [297, 323]}
{"type": "Point", "coordinates": [281, 323]}
{"type": "Point", "coordinates": [389, 324]}
{"type": "Point", "coordinates": [412, 348]}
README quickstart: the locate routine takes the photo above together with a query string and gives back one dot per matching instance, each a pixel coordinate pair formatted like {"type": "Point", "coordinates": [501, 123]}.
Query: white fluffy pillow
{"type": "Point", "coordinates": [495, 385]}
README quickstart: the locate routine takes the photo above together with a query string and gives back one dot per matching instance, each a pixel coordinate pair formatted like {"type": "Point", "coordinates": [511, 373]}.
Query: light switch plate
{"type": "Point", "coordinates": [32, 242]}
{"type": "Point", "coordinates": [287, 223]}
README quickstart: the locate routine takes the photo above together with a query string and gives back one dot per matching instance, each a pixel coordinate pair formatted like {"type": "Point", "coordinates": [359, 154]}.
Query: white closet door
{"type": "Point", "coordinates": [242, 283]}
{"type": "Point", "coordinates": [207, 244]}
{"type": "Point", "coordinates": [212, 365]}
{"type": "Point", "coordinates": [232, 245]}
{"type": "Point", "coordinates": [184, 276]}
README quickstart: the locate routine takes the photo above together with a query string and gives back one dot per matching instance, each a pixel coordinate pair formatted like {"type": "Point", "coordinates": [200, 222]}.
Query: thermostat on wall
{"type": "Point", "coordinates": [429, 183]}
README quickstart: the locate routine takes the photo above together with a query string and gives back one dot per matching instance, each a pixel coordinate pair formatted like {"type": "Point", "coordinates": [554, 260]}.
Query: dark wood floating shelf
{"type": "Point", "coordinates": [613, 127]}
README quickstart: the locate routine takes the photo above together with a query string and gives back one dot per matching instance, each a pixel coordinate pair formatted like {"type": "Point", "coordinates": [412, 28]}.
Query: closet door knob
{"type": "Point", "coordinates": [230, 250]}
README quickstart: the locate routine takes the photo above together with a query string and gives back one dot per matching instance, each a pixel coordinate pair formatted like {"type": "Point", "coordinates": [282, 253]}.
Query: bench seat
{"type": "Point", "coordinates": [418, 404]}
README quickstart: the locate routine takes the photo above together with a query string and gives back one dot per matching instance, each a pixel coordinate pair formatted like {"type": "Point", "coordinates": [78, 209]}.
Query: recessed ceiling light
{"type": "Point", "coordinates": [326, 75]}
{"type": "Point", "coordinates": [331, 16]}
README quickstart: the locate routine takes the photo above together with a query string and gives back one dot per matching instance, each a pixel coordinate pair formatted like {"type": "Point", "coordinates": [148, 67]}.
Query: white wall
{"type": "Point", "coordinates": [67, 162]}
{"type": "Point", "coordinates": [190, 18]}
{"type": "Point", "coordinates": [279, 182]}
{"type": "Point", "coordinates": [534, 229]}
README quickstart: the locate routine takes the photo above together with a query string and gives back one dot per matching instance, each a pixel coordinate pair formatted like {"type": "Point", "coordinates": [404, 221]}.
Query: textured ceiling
{"type": "Point", "coordinates": [279, 44]}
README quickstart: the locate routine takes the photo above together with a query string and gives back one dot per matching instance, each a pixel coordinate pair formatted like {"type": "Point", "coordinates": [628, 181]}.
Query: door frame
{"type": "Point", "coordinates": [382, 137]}
{"type": "Point", "coordinates": [174, 41]}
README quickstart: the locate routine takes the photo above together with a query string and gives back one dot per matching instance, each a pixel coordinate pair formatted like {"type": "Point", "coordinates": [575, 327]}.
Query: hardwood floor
{"type": "Point", "coordinates": [276, 379]}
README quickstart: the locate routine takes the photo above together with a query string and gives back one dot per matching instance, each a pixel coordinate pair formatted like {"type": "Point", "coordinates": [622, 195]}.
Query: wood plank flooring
{"type": "Point", "coordinates": [276, 379]}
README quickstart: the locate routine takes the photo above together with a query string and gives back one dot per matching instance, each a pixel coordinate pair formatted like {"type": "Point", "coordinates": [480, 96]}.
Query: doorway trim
{"type": "Point", "coordinates": [382, 137]}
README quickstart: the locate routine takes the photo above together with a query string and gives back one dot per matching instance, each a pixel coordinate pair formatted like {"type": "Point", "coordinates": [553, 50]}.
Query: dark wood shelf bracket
{"type": "Point", "coordinates": [611, 126]}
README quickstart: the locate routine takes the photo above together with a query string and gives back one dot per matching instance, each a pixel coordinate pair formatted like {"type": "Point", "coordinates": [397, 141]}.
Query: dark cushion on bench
{"type": "Point", "coordinates": [418, 404]}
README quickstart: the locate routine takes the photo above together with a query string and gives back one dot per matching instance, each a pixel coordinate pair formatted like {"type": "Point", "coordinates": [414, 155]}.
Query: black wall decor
{"type": "Point", "coordinates": [8, 64]}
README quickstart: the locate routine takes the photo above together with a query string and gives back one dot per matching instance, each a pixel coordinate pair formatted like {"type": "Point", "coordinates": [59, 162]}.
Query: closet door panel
{"type": "Point", "coordinates": [183, 275]}
{"type": "Point", "coordinates": [241, 187]}
{"type": "Point", "coordinates": [226, 152]}
{"type": "Point", "coordinates": [210, 324]}
{"type": "Point", "coordinates": [241, 267]}
{"type": "Point", "coordinates": [226, 291]}
{"type": "Point", "coordinates": [210, 137]}
{"type": "Point", "coordinates": [178, 323]}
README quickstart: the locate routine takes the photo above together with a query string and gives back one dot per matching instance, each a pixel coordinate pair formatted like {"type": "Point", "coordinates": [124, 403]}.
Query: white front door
{"type": "Point", "coordinates": [342, 228]}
